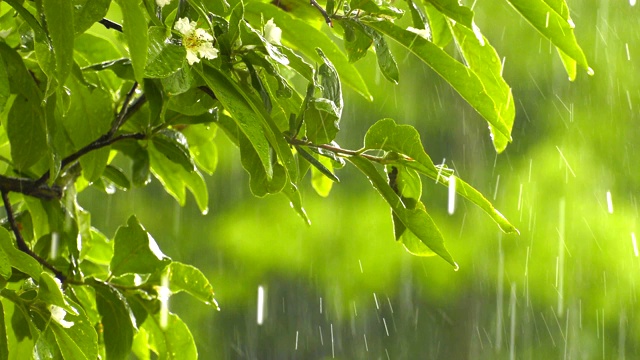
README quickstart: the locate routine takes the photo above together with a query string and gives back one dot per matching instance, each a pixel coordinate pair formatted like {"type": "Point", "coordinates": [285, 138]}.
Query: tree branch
{"type": "Point", "coordinates": [119, 120]}
{"type": "Point", "coordinates": [335, 149]}
{"type": "Point", "coordinates": [110, 24]}
{"type": "Point", "coordinates": [22, 245]}
{"type": "Point", "coordinates": [98, 144]}
{"type": "Point", "coordinates": [322, 11]}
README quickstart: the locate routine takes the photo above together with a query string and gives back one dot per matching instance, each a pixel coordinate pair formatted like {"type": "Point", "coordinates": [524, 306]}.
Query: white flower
{"type": "Point", "coordinates": [272, 33]}
{"type": "Point", "coordinates": [162, 3]}
{"type": "Point", "coordinates": [424, 33]}
{"type": "Point", "coordinates": [198, 42]}
{"type": "Point", "coordinates": [57, 315]}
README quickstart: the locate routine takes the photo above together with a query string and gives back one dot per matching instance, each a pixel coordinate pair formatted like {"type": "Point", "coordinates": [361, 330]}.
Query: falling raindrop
{"type": "Point", "coordinates": [260, 304]}
{"type": "Point", "coordinates": [635, 244]}
{"type": "Point", "coordinates": [163, 295]}
{"type": "Point", "coordinates": [55, 242]}
{"type": "Point", "coordinates": [609, 203]}
{"type": "Point", "coordinates": [632, 2]}
{"type": "Point", "coordinates": [452, 194]}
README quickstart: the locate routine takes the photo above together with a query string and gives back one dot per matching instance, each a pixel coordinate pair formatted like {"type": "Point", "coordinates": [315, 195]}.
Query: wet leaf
{"type": "Point", "coordinates": [174, 146]}
{"type": "Point", "coordinates": [356, 40]}
{"type": "Point", "coordinates": [183, 277]}
{"type": "Point", "coordinates": [49, 291]}
{"type": "Point", "coordinates": [117, 177]}
{"type": "Point", "coordinates": [165, 56]}
{"type": "Point", "coordinates": [454, 10]}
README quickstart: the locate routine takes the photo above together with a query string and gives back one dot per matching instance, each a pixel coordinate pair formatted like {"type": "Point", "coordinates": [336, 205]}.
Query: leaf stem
{"type": "Point", "coordinates": [119, 120]}
{"type": "Point", "coordinates": [22, 245]}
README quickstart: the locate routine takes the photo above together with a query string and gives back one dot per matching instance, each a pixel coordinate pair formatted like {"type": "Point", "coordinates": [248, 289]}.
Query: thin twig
{"type": "Point", "coordinates": [110, 24]}
{"type": "Point", "coordinates": [119, 120]}
{"type": "Point", "coordinates": [326, 16]}
{"type": "Point", "coordinates": [336, 150]}
{"type": "Point", "coordinates": [22, 245]}
{"type": "Point", "coordinates": [98, 144]}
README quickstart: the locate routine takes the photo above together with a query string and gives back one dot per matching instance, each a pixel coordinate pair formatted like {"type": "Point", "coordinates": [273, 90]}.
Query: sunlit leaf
{"type": "Point", "coordinates": [4, 346]}
{"type": "Point", "coordinates": [554, 24]}
{"type": "Point", "coordinates": [49, 291]}
{"type": "Point", "coordinates": [454, 10]}
{"type": "Point", "coordinates": [183, 277]}
{"type": "Point", "coordinates": [174, 146]}
{"type": "Point", "coordinates": [173, 341]}
{"type": "Point", "coordinates": [484, 61]}
{"type": "Point", "coordinates": [80, 341]}
{"type": "Point", "coordinates": [293, 194]}
{"type": "Point", "coordinates": [135, 251]}
{"type": "Point", "coordinates": [438, 25]}
{"type": "Point", "coordinates": [320, 181]}
{"type": "Point", "coordinates": [202, 146]}
{"type": "Point", "coordinates": [356, 40]}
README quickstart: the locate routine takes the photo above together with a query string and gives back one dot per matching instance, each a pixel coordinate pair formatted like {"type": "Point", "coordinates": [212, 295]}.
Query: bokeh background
{"type": "Point", "coordinates": [566, 287]}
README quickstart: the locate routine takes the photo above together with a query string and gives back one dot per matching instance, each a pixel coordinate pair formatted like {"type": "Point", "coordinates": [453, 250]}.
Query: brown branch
{"type": "Point", "coordinates": [22, 245]}
{"type": "Point", "coordinates": [119, 120]}
{"type": "Point", "coordinates": [29, 187]}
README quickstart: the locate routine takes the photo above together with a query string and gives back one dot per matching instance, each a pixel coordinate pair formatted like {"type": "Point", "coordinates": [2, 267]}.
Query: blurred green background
{"type": "Point", "coordinates": [564, 288]}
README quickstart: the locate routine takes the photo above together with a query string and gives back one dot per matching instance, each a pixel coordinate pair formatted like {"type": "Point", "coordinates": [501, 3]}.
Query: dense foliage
{"type": "Point", "coordinates": [155, 91]}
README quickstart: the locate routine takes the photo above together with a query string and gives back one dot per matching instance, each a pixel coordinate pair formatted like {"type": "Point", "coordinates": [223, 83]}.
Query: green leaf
{"type": "Point", "coordinates": [5, 265]}
{"type": "Point", "coordinates": [136, 32]}
{"type": "Point", "coordinates": [553, 23]}
{"type": "Point", "coordinates": [183, 277]}
{"type": "Point", "coordinates": [46, 346]}
{"type": "Point", "coordinates": [251, 36]}
{"type": "Point", "coordinates": [243, 115]}
{"type": "Point", "coordinates": [418, 18]}
{"type": "Point", "coordinates": [135, 251]}
{"type": "Point", "coordinates": [374, 7]}
{"type": "Point", "coordinates": [59, 16]}
{"type": "Point", "coordinates": [292, 192]}
{"type": "Point", "coordinates": [4, 346]}
{"type": "Point", "coordinates": [323, 169]}
{"type": "Point", "coordinates": [117, 321]}
{"type": "Point", "coordinates": [416, 220]}
{"type": "Point", "coordinates": [89, 117]}
{"type": "Point", "coordinates": [386, 61]}
{"type": "Point", "coordinates": [88, 12]}
{"type": "Point", "coordinates": [260, 183]}
{"type": "Point", "coordinates": [298, 64]}
{"type": "Point", "coordinates": [320, 181]}
{"type": "Point", "coordinates": [404, 139]}
{"type": "Point", "coordinates": [484, 61]}
{"type": "Point", "coordinates": [174, 146]}
{"type": "Point", "coordinates": [176, 179]}
{"type": "Point", "coordinates": [121, 67]}
{"type": "Point", "coordinates": [20, 80]}
{"type": "Point", "coordinates": [439, 26]}
{"type": "Point", "coordinates": [173, 341]}
{"type": "Point", "coordinates": [19, 259]}
{"type": "Point", "coordinates": [304, 37]}
{"type": "Point", "coordinates": [97, 248]}
{"type": "Point", "coordinates": [117, 176]}
{"type": "Point", "coordinates": [454, 10]}
{"type": "Point", "coordinates": [203, 148]}
{"type": "Point", "coordinates": [5, 90]}
{"type": "Point", "coordinates": [257, 84]}
{"type": "Point", "coordinates": [49, 291]}
{"type": "Point", "coordinates": [460, 77]}
{"type": "Point", "coordinates": [29, 19]}
{"type": "Point", "coordinates": [165, 56]}
{"type": "Point", "coordinates": [27, 132]}
{"type": "Point", "coordinates": [356, 40]}
{"type": "Point", "coordinates": [322, 115]}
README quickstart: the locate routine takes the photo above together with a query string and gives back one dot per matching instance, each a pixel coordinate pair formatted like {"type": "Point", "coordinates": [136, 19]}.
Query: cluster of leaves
{"type": "Point", "coordinates": [74, 104]}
